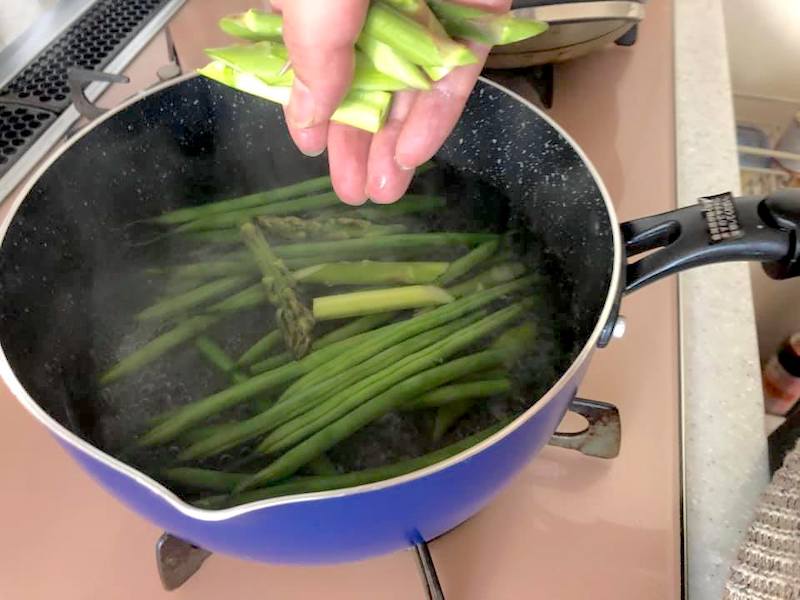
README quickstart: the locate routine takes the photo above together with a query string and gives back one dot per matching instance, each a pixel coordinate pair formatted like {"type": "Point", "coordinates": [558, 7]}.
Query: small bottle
{"type": "Point", "coordinates": [781, 377]}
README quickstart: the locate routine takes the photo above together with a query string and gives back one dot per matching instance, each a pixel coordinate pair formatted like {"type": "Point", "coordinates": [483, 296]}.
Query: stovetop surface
{"type": "Point", "coordinates": [568, 526]}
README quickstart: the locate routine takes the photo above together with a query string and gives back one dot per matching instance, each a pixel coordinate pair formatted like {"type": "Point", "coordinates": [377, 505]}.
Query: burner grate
{"type": "Point", "coordinates": [20, 126]}
{"type": "Point", "coordinates": [92, 42]}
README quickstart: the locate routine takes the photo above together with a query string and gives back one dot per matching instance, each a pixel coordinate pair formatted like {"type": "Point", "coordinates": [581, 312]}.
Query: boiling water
{"type": "Point", "coordinates": [125, 408]}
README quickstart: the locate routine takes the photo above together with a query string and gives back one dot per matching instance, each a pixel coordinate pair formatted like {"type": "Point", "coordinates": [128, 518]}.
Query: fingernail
{"type": "Point", "coordinates": [301, 105]}
{"type": "Point", "coordinates": [313, 154]}
{"type": "Point", "coordinates": [403, 167]}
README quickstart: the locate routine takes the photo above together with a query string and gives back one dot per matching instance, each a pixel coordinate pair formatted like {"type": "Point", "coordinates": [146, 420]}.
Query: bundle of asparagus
{"type": "Point", "coordinates": [438, 336]}
{"type": "Point", "coordinates": [404, 44]}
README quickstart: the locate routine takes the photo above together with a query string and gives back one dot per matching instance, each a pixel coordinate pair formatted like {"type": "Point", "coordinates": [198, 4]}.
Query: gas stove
{"type": "Point", "coordinates": [570, 525]}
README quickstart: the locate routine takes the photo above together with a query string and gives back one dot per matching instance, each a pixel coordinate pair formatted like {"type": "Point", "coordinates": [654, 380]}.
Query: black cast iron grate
{"type": "Point", "coordinates": [40, 92]}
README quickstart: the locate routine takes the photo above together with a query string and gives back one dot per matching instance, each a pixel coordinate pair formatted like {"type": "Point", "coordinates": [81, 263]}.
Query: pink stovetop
{"type": "Point", "coordinates": [571, 527]}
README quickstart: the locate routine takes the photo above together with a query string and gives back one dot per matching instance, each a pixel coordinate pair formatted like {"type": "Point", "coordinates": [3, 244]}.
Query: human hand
{"type": "Point", "coordinates": [320, 36]}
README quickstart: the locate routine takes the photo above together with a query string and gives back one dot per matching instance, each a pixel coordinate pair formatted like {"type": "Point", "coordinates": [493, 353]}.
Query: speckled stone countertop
{"type": "Point", "coordinates": [725, 452]}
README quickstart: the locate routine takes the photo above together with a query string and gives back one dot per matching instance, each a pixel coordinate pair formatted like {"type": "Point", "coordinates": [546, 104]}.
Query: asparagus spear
{"type": "Point", "coordinates": [410, 203]}
{"type": "Point", "coordinates": [203, 479]}
{"type": "Point", "coordinates": [236, 217]}
{"type": "Point", "coordinates": [324, 363]}
{"type": "Point", "coordinates": [295, 320]}
{"type": "Point", "coordinates": [179, 304]}
{"type": "Point", "coordinates": [491, 277]}
{"type": "Point", "coordinates": [287, 408]}
{"type": "Point", "coordinates": [336, 431]}
{"type": "Point", "coordinates": [448, 414]}
{"type": "Point", "coordinates": [159, 346]}
{"type": "Point", "coordinates": [488, 28]}
{"type": "Point", "coordinates": [217, 357]}
{"type": "Point", "coordinates": [376, 301]}
{"type": "Point", "coordinates": [349, 399]}
{"type": "Point", "coordinates": [461, 307]}
{"type": "Point", "coordinates": [295, 190]}
{"type": "Point", "coordinates": [368, 272]}
{"type": "Point", "coordinates": [259, 349]}
{"type": "Point", "coordinates": [302, 485]}
{"type": "Point", "coordinates": [340, 228]}
{"type": "Point", "coordinates": [352, 329]}
{"type": "Point", "coordinates": [322, 465]}
{"type": "Point", "coordinates": [460, 391]}
{"type": "Point", "coordinates": [467, 262]}
{"type": "Point", "coordinates": [347, 248]}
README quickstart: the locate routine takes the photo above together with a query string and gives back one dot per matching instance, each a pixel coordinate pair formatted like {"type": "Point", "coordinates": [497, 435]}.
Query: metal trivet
{"type": "Point", "coordinates": [178, 560]}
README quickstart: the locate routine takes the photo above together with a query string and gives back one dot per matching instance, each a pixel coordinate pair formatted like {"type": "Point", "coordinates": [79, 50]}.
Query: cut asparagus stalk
{"type": "Point", "coordinates": [413, 41]}
{"type": "Point", "coordinates": [157, 347]}
{"type": "Point", "coordinates": [341, 228]}
{"type": "Point", "coordinates": [269, 60]}
{"type": "Point", "coordinates": [422, 14]}
{"type": "Point", "coordinates": [466, 263]}
{"type": "Point", "coordinates": [488, 28]}
{"type": "Point", "coordinates": [295, 190]}
{"type": "Point", "coordinates": [371, 273]}
{"type": "Point", "coordinates": [294, 319]}
{"type": "Point", "coordinates": [253, 25]}
{"type": "Point", "coordinates": [376, 301]}
{"type": "Point", "coordinates": [390, 63]}
{"type": "Point", "coordinates": [361, 109]}
{"type": "Point", "coordinates": [179, 304]}
{"type": "Point", "coordinates": [265, 60]}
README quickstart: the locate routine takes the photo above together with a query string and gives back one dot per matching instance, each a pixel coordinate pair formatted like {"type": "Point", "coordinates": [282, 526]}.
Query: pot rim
{"type": "Point", "coordinates": [8, 376]}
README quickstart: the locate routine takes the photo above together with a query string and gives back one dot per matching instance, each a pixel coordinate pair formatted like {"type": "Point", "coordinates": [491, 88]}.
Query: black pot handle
{"type": "Point", "coordinates": [718, 229]}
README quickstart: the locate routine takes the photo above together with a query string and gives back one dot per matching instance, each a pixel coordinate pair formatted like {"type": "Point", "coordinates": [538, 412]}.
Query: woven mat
{"type": "Point", "coordinates": [768, 563]}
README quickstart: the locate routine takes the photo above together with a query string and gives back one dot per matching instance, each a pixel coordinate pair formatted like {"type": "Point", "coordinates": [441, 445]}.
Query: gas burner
{"type": "Point", "coordinates": [177, 560]}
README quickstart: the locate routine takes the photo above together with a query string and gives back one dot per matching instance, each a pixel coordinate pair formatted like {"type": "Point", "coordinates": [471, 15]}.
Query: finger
{"type": "Point", "coordinates": [386, 181]}
{"type": "Point", "coordinates": [348, 149]}
{"type": "Point", "coordinates": [311, 141]}
{"type": "Point", "coordinates": [275, 5]}
{"type": "Point", "coordinates": [436, 112]}
{"type": "Point", "coordinates": [320, 35]}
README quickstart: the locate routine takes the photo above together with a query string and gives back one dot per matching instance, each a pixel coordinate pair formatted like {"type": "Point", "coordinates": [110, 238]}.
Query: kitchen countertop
{"type": "Point", "coordinates": [568, 523]}
{"type": "Point", "coordinates": [725, 451]}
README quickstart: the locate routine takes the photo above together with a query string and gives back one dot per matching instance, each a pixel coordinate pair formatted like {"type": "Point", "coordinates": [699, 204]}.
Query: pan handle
{"type": "Point", "coordinates": [718, 229]}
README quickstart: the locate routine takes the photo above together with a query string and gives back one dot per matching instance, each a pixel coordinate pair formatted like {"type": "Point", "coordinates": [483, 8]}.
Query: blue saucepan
{"type": "Point", "coordinates": [66, 250]}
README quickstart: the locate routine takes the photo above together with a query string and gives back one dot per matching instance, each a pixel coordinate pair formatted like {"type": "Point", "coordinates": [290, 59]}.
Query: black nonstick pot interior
{"type": "Point", "coordinates": [72, 269]}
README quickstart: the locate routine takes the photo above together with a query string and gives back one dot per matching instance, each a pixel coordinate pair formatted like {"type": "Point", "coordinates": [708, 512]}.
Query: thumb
{"type": "Point", "coordinates": [320, 36]}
